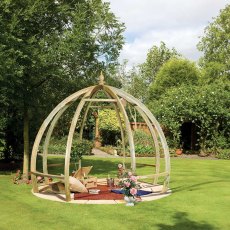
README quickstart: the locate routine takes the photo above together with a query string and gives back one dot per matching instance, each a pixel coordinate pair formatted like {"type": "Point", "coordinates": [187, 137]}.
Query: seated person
{"type": "Point", "coordinates": [121, 171]}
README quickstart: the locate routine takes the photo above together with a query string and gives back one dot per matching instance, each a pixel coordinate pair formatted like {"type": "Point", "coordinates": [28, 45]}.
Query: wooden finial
{"type": "Point", "coordinates": [101, 79]}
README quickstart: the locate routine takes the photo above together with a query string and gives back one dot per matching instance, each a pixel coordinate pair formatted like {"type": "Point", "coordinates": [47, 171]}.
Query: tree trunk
{"type": "Point", "coordinates": [26, 153]}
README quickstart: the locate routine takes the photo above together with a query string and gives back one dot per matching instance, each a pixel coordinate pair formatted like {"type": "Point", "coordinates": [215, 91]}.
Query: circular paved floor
{"type": "Point", "coordinates": [144, 186]}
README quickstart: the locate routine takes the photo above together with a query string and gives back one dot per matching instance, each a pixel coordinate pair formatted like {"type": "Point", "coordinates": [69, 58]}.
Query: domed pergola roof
{"type": "Point", "coordinates": [87, 97]}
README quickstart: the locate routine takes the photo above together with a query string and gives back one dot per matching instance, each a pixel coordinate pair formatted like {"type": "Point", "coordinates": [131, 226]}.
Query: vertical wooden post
{"type": "Point", "coordinates": [34, 183]}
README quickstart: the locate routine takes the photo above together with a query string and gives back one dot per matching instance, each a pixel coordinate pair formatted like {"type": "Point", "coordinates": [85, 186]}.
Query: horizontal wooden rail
{"type": "Point", "coordinates": [102, 107]}
{"type": "Point", "coordinates": [47, 175]}
{"type": "Point", "coordinates": [100, 100]}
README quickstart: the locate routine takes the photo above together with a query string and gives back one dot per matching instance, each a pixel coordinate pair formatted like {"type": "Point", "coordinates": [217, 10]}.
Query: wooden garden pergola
{"type": "Point", "coordinates": [86, 97]}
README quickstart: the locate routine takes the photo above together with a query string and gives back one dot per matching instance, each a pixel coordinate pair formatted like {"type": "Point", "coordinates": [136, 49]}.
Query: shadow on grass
{"type": "Point", "coordinates": [56, 165]}
{"type": "Point", "coordinates": [182, 222]}
{"type": "Point", "coordinates": [101, 166]}
{"type": "Point", "coordinates": [194, 186]}
{"type": "Point", "coordinates": [6, 172]}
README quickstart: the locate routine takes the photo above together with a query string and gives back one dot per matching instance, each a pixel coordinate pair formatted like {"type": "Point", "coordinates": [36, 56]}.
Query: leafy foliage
{"type": "Point", "coordinates": [223, 154]}
{"type": "Point", "coordinates": [173, 73]}
{"type": "Point", "coordinates": [108, 120]}
{"type": "Point", "coordinates": [156, 57]}
{"type": "Point", "coordinates": [137, 85]}
{"type": "Point", "coordinates": [143, 143]}
{"type": "Point", "coordinates": [80, 148]}
{"type": "Point", "coordinates": [215, 44]}
{"type": "Point", "coordinates": [57, 145]}
{"type": "Point", "coordinates": [49, 49]}
{"type": "Point", "coordinates": [142, 138]}
{"type": "Point", "coordinates": [137, 80]}
{"type": "Point", "coordinates": [212, 72]}
{"type": "Point", "coordinates": [203, 105]}
{"type": "Point", "coordinates": [144, 150]}
{"type": "Point", "coordinates": [109, 126]}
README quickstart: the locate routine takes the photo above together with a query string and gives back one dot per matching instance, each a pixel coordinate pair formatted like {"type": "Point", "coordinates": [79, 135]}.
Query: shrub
{"type": "Point", "coordinates": [109, 137]}
{"type": "Point", "coordinates": [174, 73]}
{"type": "Point", "coordinates": [109, 126]}
{"type": "Point", "coordinates": [82, 147]}
{"type": "Point", "coordinates": [223, 154]}
{"type": "Point", "coordinates": [56, 145]}
{"type": "Point", "coordinates": [142, 138]}
{"type": "Point", "coordinates": [222, 142]}
{"type": "Point", "coordinates": [57, 148]}
{"type": "Point", "coordinates": [144, 149]}
{"type": "Point", "coordinates": [143, 143]}
{"type": "Point", "coordinates": [203, 105]}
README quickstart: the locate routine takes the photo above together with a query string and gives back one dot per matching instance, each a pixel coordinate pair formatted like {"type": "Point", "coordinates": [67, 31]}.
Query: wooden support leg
{"type": "Point", "coordinates": [165, 186]}
{"type": "Point", "coordinates": [164, 189]}
{"type": "Point", "coordinates": [155, 180]}
{"type": "Point", "coordinates": [67, 194]}
{"type": "Point", "coordinates": [34, 183]}
{"type": "Point", "coordinates": [46, 180]}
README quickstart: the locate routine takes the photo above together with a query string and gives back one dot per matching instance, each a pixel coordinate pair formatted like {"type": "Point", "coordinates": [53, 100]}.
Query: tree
{"type": "Point", "coordinates": [212, 72]}
{"type": "Point", "coordinates": [49, 49]}
{"type": "Point", "coordinates": [215, 44]}
{"type": "Point", "coordinates": [137, 80]}
{"type": "Point", "coordinates": [137, 85]}
{"type": "Point", "coordinates": [121, 72]}
{"type": "Point", "coordinates": [204, 105]}
{"type": "Point", "coordinates": [173, 73]}
{"type": "Point", "coordinates": [156, 57]}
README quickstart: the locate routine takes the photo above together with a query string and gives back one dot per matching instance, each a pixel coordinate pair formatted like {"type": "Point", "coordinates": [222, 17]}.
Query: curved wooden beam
{"type": "Point", "coordinates": [115, 95]}
{"type": "Point", "coordinates": [134, 101]}
{"type": "Point", "coordinates": [47, 139]}
{"type": "Point", "coordinates": [156, 143]}
{"type": "Point", "coordinates": [84, 120]}
{"type": "Point", "coordinates": [43, 127]}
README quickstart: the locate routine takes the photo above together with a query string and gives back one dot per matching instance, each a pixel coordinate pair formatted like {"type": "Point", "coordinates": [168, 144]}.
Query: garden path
{"type": "Point", "coordinates": [99, 153]}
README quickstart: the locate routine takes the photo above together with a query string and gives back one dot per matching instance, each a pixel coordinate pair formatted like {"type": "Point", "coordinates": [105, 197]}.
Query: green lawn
{"type": "Point", "coordinates": [200, 201]}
